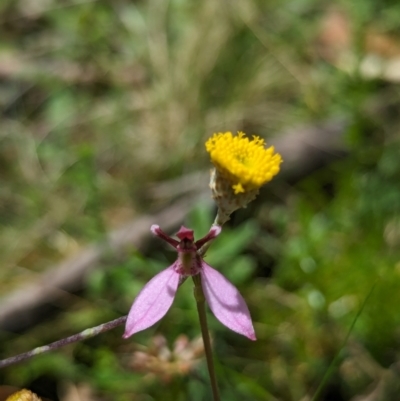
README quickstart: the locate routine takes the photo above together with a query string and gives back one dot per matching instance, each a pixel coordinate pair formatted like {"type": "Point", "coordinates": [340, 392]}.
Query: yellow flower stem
{"type": "Point", "coordinates": [221, 218]}
{"type": "Point", "coordinates": [202, 251]}
{"type": "Point", "coordinates": [201, 310]}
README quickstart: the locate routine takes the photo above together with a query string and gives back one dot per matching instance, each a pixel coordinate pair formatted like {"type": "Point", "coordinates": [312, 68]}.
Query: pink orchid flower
{"type": "Point", "coordinates": [156, 297]}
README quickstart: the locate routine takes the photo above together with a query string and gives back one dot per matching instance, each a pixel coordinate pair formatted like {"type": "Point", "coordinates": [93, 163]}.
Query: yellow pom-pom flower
{"type": "Point", "coordinates": [242, 166]}
{"type": "Point", "coordinates": [248, 164]}
{"type": "Point", "coordinates": [23, 395]}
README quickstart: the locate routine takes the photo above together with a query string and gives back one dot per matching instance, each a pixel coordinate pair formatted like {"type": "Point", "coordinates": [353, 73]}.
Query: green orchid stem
{"type": "Point", "coordinates": [201, 310]}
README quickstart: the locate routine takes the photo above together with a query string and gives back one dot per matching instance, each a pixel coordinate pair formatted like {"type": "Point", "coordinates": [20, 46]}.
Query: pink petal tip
{"type": "Point", "coordinates": [154, 229]}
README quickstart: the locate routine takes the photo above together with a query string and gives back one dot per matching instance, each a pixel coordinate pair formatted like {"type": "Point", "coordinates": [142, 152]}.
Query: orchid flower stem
{"type": "Point", "coordinates": [201, 309]}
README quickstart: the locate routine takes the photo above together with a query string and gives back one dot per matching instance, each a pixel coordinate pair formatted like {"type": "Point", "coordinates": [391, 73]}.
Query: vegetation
{"type": "Point", "coordinates": [103, 100]}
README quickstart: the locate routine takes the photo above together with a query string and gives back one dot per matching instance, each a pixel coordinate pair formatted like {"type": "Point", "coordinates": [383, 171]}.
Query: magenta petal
{"type": "Point", "coordinates": [153, 301]}
{"type": "Point", "coordinates": [226, 303]}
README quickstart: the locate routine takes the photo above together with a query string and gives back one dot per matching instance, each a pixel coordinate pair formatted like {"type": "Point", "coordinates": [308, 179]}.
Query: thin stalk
{"type": "Point", "coordinates": [85, 334]}
{"type": "Point", "coordinates": [333, 364]}
{"type": "Point", "coordinates": [201, 310]}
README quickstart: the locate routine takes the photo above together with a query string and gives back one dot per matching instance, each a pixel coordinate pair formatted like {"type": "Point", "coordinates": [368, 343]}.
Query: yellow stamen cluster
{"type": "Point", "coordinates": [247, 164]}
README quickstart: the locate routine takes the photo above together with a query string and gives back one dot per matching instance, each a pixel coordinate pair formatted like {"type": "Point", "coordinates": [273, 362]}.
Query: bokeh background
{"type": "Point", "coordinates": [105, 108]}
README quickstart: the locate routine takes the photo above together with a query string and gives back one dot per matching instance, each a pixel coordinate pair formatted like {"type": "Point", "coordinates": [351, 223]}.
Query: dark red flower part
{"type": "Point", "coordinates": [185, 233]}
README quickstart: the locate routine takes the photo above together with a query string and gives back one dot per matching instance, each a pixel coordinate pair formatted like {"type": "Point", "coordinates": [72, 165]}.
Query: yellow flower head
{"type": "Point", "coordinates": [247, 164]}
{"type": "Point", "coordinates": [23, 395]}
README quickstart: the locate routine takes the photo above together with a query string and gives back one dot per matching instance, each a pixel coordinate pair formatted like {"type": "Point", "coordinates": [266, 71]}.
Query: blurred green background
{"type": "Point", "coordinates": [102, 102]}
